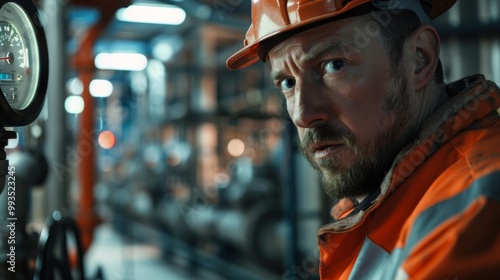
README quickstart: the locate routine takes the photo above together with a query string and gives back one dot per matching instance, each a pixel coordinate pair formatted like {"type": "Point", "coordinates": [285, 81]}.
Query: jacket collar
{"type": "Point", "coordinates": [471, 100]}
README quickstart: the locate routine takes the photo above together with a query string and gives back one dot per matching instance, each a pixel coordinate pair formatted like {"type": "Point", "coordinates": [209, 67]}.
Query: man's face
{"type": "Point", "coordinates": [351, 109]}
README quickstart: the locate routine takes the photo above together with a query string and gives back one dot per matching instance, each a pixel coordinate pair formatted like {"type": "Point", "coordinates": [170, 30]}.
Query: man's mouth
{"type": "Point", "coordinates": [325, 150]}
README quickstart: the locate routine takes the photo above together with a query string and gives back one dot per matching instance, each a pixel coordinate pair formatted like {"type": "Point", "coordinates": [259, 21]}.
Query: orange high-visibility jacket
{"type": "Point", "coordinates": [437, 214]}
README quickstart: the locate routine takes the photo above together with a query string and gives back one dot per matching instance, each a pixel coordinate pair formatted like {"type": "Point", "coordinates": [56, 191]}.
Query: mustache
{"type": "Point", "coordinates": [326, 133]}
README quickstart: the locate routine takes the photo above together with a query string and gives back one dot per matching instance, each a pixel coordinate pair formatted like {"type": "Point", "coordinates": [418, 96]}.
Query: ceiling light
{"type": "Point", "coordinates": [121, 61]}
{"type": "Point", "coordinates": [100, 88]}
{"type": "Point", "coordinates": [74, 86]}
{"type": "Point", "coordinates": [156, 14]}
{"type": "Point", "coordinates": [74, 104]}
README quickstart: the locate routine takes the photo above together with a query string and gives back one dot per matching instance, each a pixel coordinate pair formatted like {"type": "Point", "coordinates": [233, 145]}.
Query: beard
{"type": "Point", "coordinates": [372, 158]}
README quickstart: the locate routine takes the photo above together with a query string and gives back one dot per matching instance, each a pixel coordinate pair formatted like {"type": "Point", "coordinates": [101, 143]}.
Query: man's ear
{"type": "Point", "coordinates": [425, 52]}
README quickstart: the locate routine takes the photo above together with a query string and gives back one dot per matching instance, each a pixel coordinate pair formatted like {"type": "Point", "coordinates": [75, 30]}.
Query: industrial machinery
{"type": "Point", "coordinates": [23, 84]}
{"type": "Point", "coordinates": [242, 222]}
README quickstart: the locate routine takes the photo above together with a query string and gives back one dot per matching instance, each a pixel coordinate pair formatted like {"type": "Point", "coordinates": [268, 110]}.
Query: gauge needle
{"type": "Point", "coordinates": [9, 58]}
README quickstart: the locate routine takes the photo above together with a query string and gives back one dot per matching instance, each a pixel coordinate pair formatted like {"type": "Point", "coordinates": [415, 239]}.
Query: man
{"type": "Point", "coordinates": [413, 163]}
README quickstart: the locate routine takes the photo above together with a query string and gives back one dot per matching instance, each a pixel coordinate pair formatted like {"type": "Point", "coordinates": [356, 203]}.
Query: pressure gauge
{"type": "Point", "coordinates": [23, 63]}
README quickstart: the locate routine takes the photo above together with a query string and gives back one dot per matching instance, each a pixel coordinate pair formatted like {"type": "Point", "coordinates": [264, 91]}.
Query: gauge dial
{"type": "Point", "coordinates": [18, 53]}
{"type": "Point", "coordinates": [24, 63]}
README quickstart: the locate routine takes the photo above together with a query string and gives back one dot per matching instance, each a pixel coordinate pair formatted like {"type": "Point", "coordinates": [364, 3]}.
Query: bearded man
{"type": "Point", "coordinates": [414, 163]}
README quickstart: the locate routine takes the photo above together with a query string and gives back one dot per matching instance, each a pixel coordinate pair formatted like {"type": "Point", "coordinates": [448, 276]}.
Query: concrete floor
{"type": "Point", "coordinates": [122, 259]}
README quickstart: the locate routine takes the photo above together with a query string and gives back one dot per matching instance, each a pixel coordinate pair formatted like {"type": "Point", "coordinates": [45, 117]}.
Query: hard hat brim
{"type": "Point", "coordinates": [254, 51]}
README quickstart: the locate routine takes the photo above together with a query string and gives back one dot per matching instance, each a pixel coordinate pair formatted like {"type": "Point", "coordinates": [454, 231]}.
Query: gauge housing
{"type": "Point", "coordinates": [31, 33]}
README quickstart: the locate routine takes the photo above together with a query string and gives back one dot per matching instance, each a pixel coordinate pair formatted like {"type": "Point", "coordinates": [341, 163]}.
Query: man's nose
{"type": "Point", "coordinates": [310, 107]}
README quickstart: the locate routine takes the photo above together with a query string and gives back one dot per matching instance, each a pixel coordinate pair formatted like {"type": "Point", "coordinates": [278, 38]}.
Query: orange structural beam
{"type": "Point", "coordinates": [83, 62]}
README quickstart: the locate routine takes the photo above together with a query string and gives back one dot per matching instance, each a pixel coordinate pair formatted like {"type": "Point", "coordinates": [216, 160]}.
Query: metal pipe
{"type": "Point", "coordinates": [58, 178]}
{"type": "Point", "coordinates": [84, 64]}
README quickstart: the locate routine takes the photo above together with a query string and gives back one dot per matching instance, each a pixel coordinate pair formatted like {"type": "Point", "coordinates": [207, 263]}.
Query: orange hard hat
{"type": "Point", "coordinates": [272, 20]}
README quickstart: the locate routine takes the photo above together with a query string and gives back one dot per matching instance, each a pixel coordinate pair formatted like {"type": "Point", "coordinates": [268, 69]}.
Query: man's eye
{"type": "Point", "coordinates": [334, 66]}
{"type": "Point", "coordinates": [287, 84]}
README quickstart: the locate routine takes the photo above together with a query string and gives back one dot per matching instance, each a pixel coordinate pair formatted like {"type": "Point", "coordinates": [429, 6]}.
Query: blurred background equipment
{"type": "Point", "coordinates": [149, 159]}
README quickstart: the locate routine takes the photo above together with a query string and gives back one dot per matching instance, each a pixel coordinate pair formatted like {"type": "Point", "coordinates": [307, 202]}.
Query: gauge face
{"type": "Point", "coordinates": [19, 64]}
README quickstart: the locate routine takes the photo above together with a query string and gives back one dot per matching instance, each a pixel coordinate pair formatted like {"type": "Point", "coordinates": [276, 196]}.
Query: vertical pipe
{"type": "Point", "coordinates": [84, 64]}
{"type": "Point", "coordinates": [57, 183]}
{"type": "Point", "coordinates": [87, 217]}
{"type": "Point", "coordinates": [85, 146]}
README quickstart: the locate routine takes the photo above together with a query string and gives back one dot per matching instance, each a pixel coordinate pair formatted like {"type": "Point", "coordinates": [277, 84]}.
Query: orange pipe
{"type": "Point", "coordinates": [87, 218]}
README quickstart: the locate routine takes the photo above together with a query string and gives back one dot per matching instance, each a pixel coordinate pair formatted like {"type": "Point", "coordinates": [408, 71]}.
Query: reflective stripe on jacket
{"type": "Point", "coordinates": [437, 215]}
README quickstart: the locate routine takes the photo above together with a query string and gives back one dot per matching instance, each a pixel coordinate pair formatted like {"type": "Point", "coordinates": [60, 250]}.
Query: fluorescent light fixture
{"type": "Point", "coordinates": [100, 88]}
{"type": "Point", "coordinates": [74, 104]}
{"type": "Point", "coordinates": [74, 86]}
{"type": "Point", "coordinates": [121, 61]}
{"type": "Point", "coordinates": [156, 14]}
